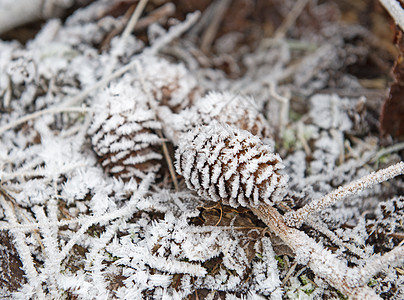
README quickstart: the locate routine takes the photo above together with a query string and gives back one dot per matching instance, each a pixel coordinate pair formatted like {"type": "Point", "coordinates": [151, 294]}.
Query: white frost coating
{"type": "Point", "coordinates": [174, 266]}
{"type": "Point", "coordinates": [169, 84]}
{"type": "Point", "coordinates": [266, 274]}
{"type": "Point", "coordinates": [326, 112]}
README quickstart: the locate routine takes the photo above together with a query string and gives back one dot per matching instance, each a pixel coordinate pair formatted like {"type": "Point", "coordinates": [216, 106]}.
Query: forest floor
{"type": "Point", "coordinates": [102, 102]}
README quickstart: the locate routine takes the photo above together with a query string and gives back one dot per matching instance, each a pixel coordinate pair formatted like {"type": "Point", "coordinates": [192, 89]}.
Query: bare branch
{"type": "Point", "coordinates": [37, 114]}
{"type": "Point", "coordinates": [321, 261]}
{"type": "Point", "coordinates": [296, 218]}
{"type": "Point", "coordinates": [376, 264]}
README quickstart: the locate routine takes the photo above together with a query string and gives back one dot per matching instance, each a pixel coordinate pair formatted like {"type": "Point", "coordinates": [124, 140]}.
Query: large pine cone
{"type": "Point", "coordinates": [122, 133]}
{"type": "Point", "coordinates": [230, 165]}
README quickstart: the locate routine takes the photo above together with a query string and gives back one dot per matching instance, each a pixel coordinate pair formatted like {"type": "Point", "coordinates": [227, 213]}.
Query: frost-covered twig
{"type": "Point", "coordinates": [283, 119]}
{"type": "Point", "coordinates": [94, 261]}
{"type": "Point", "coordinates": [173, 33]}
{"type": "Point", "coordinates": [162, 12]}
{"type": "Point", "coordinates": [308, 252]}
{"type": "Point", "coordinates": [37, 114]}
{"type": "Point", "coordinates": [296, 218]}
{"type": "Point", "coordinates": [51, 250]}
{"type": "Point", "coordinates": [394, 148]}
{"type": "Point", "coordinates": [23, 250]}
{"type": "Point", "coordinates": [290, 19]}
{"type": "Point", "coordinates": [395, 10]}
{"type": "Point", "coordinates": [376, 264]}
{"type": "Point", "coordinates": [133, 19]}
{"type": "Point", "coordinates": [122, 44]}
{"type": "Point", "coordinates": [37, 172]}
{"type": "Point", "coordinates": [318, 225]}
{"type": "Point", "coordinates": [159, 13]}
{"type": "Point", "coordinates": [209, 35]}
{"type": "Point", "coordinates": [14, 14]}
{"type": "Point", "coordinates": [87, 221]}
{"type": "Point", "coordinates": [174, 266]}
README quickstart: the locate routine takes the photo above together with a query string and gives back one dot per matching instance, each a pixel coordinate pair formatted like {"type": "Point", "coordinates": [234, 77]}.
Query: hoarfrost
{"type": "Point", "coordinates": [81, 233]}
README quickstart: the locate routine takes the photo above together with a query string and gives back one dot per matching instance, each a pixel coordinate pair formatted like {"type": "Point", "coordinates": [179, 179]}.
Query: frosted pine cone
{"type": "Point", "coordinates": [234, 110]}
{"type": "Point", "coordinates": [230, 165]}
{"type": "Point", "coordinates": [223, 107]}
{"type": "Point", "coordinates": [122, 133]}
{"type": "Point", "coordinates": [170, 84]}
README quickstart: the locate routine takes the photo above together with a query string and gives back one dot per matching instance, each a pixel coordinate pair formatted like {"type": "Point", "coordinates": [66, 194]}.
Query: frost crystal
{"type": "Point", "coordinates": [230, 165]}
{"type": "Point", "coordinates": [327, 112]}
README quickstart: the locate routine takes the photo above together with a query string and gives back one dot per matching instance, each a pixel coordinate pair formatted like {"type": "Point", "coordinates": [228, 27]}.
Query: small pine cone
{"type": "Point", "coordinates": [232, 109]}
{"type": "Point", "coordinates": [230, 165]}
{"type": "Point", "coordinates": [122, 133]}
{"type": "Point", "coordinates": [170, 84]}
{"type": "Point", "coordinates": [224, 107]}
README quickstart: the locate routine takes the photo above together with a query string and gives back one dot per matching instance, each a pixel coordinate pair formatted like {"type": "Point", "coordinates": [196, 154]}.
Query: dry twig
{"type": "Point", "coordinates": [210, 33]}
{"type": "Point", "coordinates": [290, 19]}
{"type": "Point", "coordinates": [321, 261]}
{"type": "Point", "coordinates": [395, 10]}
{"type": "Point", "coordinates": [133, 20]}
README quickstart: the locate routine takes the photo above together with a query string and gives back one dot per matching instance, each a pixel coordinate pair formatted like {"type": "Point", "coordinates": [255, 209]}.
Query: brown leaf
{"type": "Point", "coordinates": [391, 118]}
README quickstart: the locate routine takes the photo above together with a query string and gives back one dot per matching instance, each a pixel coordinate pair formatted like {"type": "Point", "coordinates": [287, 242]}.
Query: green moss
{"type": "Point", "coordinates": [342, 296]}
{"type": "Point", "coordinates": [372, 282]}
{"type": "Point", "coordinates": [308, 287]}
{"type": "Point", "coordinates": [288, 138]}
{"type": "Point", "coordinates": [281, 263]}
